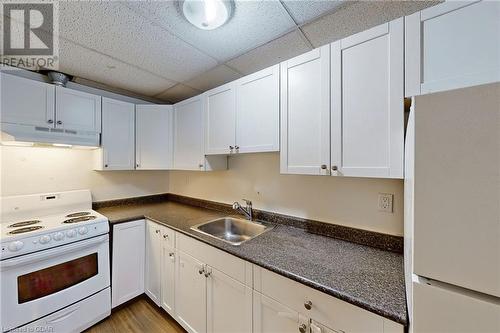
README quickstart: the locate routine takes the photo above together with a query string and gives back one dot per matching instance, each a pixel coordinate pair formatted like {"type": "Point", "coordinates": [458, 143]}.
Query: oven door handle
{"type": "Point", "coordinates": [54, 252]}
{"type": "Point", "coordinates": [63, 316]}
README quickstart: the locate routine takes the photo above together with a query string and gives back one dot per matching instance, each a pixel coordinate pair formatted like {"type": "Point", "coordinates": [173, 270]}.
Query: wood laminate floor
{"type": "Point", "coordinates": [141, 316]}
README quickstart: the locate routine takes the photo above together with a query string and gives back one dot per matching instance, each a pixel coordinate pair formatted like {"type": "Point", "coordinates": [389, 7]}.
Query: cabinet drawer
{"type": "Point", "coordinates": [330, 311]}
{"type": "Point", "coordinates": [220, 260]}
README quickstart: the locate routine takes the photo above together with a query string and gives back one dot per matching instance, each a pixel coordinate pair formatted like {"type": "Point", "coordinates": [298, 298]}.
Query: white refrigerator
{"type": "Point", "coordinates": [452, 211]}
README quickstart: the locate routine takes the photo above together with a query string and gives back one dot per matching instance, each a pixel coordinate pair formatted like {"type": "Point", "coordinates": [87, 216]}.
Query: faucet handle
{"type": "Point", "coordinates": [236, 205]}
{"type": "Point", "coordinates": [248, 202]}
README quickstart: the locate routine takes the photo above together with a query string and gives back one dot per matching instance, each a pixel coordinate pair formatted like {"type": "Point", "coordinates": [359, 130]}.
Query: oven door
{"type": "Point", "coordinates": [40, 283]}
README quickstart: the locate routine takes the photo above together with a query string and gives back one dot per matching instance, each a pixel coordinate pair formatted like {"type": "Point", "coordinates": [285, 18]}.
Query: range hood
{"type": "Point", "coordinates": [25, 134]}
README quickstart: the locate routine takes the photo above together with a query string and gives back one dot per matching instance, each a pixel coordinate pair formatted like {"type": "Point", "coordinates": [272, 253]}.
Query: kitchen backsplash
{"type": "Point", "coordinates": [346, 201]}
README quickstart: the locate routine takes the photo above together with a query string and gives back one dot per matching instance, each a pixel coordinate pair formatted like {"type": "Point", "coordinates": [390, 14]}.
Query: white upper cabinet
{"type": "Point", "coordinates": [452, 45]}
{"type": "Point", "coordinates": [77, 110]}
{"type": "Point", "coordinates": [189, 153]}
{"type": "Point", "coordinates": [188, 134]}
{"type": "Point", "coordinates": [117, 138]}
{"type": "Point", "coordinates": [154, 137]}
{"type": "Point", "coordinates": [220, 112]}
{"type": "Point", "coordinates": [27, 102]}
{"type": "Point", "coordinates": [257, 115]}
{"type": "Point", "coordinates": [305, 113]}
{"type": "Point", "coordinates": [367, 106]}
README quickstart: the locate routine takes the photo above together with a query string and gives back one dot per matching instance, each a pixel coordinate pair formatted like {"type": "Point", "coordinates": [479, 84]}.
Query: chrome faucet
{"type": "Point", "coordinates": [247, 211]}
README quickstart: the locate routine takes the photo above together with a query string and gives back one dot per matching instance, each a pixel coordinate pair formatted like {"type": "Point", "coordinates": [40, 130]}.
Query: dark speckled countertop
{"type": "Point", "coordinates": [370, 278]}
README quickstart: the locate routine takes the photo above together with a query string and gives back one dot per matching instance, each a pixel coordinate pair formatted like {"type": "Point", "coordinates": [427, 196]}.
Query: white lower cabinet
{"type": "Point", "coordinates": [229, 304]}
{"type": "Point", "coordinates": [208, 290]}
{"type": "Point", "coordinates": [127, 270]}
{"type": "Point", "coordinates": [272, 316]}
{"type": "Point", "coordinates": [190, 293]}
{"type": "Point", "coordinates": [152, 276]}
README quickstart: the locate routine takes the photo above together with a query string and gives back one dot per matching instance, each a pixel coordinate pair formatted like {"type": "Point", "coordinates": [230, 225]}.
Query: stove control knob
{"type": "Point", "coordinates": [44, 239]}
{"type": "Point", "coordinates": [58, 236]}
{"type": "Point", "coordinates": [71, 233]}
{"type": "Point", "coordinates": [16, 246]}
{"type": "Point", "coordinates": [83, 230]}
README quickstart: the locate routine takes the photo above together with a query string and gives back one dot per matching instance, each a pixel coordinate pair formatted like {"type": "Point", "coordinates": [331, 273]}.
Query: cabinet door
{"type": "Point", "coordinates": [220, 120]}
{"type": "Point", "coordinates": [270, 316]}
{"type": "Point", "coordinates": [128, 261]}
{"type": "Point", "coordinates": [190, 294]}
{"type": "Point", "coordinates": [257, 111]}
{"type": "Point", "coordinates": [229, 304]}
{"type": "Point", "coordinates": [305, 113]}
{"type": "Point", "coordinates": [153, 261]}
{"type": "Point", "coordinates": [188, 134]}
{"type": "Point", "coordinates": [452, 45]}
{"type": "Point", "coordinates": [367, 121]}
{"type": "Point", "coordinates": [77, 110]}
{"type": "Point", "coordinates": [117, 138]}
{"type": "Point", "coordinates": [27, 102]}
{"type": "Point", "coordinates": [154, 137]}
{"type": "Point", "coordinates": [168, 279]}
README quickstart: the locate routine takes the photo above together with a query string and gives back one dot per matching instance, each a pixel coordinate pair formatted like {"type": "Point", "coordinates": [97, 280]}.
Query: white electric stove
{"type": "Point", "coordinates": [54, 263]}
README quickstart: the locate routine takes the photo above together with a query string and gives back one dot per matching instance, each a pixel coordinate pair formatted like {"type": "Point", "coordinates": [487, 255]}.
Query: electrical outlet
{"type": "Point", "coordinates": [385, 202]}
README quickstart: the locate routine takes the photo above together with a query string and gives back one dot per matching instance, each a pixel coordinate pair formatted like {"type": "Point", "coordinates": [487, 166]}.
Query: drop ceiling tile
{"type": "Point", "coordinates": [79, 61]}
{"type": "Point", "coordinates": [253, 23]}
{"type": "Point", "coordinates": [357, 17]}
{"type": "Point", "coordinates": [213, 78]}
{"type": "Point", "coordinates": [280, 49]}
{"type": "Point", "coordinates": [112, 28]}
{"type": "Point", "coordinates": [177, 93]}
{"type": "Point", "coordinates": [304, 11]}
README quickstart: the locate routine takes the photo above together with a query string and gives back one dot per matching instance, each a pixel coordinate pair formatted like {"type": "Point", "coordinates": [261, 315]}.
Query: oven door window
{"type": "Point", "coordinates": [55, 278]}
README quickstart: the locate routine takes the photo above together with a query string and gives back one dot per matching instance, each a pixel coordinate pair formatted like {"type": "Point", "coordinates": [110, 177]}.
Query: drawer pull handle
{"type": "Point", "coordinates": [302, 328]}
{"type": "Point", "coordinates": [308, 305]}
{"type": "Point", "coordinates": [201, 270]}
{"type": "Point", "coordinates": [165, 236]}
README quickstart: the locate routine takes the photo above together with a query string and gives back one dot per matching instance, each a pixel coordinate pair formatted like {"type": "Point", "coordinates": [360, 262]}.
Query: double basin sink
{"type": "Point", "coordinates": [232, 230]}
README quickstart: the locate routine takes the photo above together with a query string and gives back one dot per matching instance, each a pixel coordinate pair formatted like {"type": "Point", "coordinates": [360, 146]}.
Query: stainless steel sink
{"type": "Point", "coordinates": [232, 230]}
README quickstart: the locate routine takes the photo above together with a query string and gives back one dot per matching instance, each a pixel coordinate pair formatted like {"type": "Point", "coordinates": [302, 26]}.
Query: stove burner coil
{"type": "Point", "coordinates": [23, 223]}
{"type": "Point", "coordinates": [25, 229]}
{"type": "Point", "coordinates": [78, 214]}
{"type": "Point", "coordinates": [80, 219]}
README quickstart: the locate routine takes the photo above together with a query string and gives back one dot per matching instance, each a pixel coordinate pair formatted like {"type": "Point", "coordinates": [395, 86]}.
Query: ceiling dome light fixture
{"type": "Point", "coordinates": [207, 14]}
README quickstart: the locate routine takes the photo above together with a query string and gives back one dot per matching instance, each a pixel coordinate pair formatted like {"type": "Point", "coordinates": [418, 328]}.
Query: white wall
{"type": "Point", "coordinates": [27, 170]}
{"type": "Point", "coordinates": [346, 201]}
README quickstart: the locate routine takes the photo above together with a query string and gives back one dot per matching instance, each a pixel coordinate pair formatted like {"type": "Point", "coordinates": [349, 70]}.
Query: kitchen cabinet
{"type": "Point", "coordinates": [257, 111]}
{"type": "Point", "coordinates": [220, 110]}
{"type": "Point", "coordinates": [305, 113]}
{"type": "Point", "coordinates": [77, 110]}
{"type": "Point", "coordinates": [127, 280]}
{"type": "Point", "coordinates": [154, 137]}
{"type": "Point", "coordinates": [367, 107]}
{"type": "Point", "coordinates": [117, 137]}
{"type": "Point", "coordinates": [189, 138]}
{"type": "Point", "coordinates": [452, 45]}
{"type": "Point", "coordinates": [190, 293]}
{"type": "Point", "coordinates": [37, 110]}
{"type": "Point", "coordinates": [326, 312]}
{"type": "Point", "coordinates": [270, 316]}
{"type": "Point", "coordinates": [152, 276]}
{"type": "Point", "coordinates": [168, 260]}
{"type": "Point", "coordinates": [229, 303]}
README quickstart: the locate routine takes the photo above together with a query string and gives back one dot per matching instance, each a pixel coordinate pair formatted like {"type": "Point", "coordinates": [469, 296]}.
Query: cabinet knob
{"type": "Point", "coordinates": [236, 147]}
{"type": "Point", "coordinates": [50, 121]}
{"type": "Point", "coordinates": [105, 165]}
{"type": "Point", "coordinates": [200, 165]}
{"type": "Point", "coordinates": [231, 148]}
{"type": "Point", "coordinates": [59, 122]}
{"type": "Point", "coordinates": [137, 165]}
{"type": "Point", "coordinates": [302, 328]}
{"type": "Point", "coordinates": [207, 274]}
{"type": "Point", "coordinates": [308, 305]}
{"type": "Point", "coordinates": [323, 166]}
{"type": "Point", "coordinates": [201, 270]}
{"type": "Point", "coordinates": [165, 236]}
{"type": "Point", "coordinates": [334, 168]}
{"type": "Point", "coordinates": [171, 254]}
{"type": "Point", "coordinates": [157, 231]}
